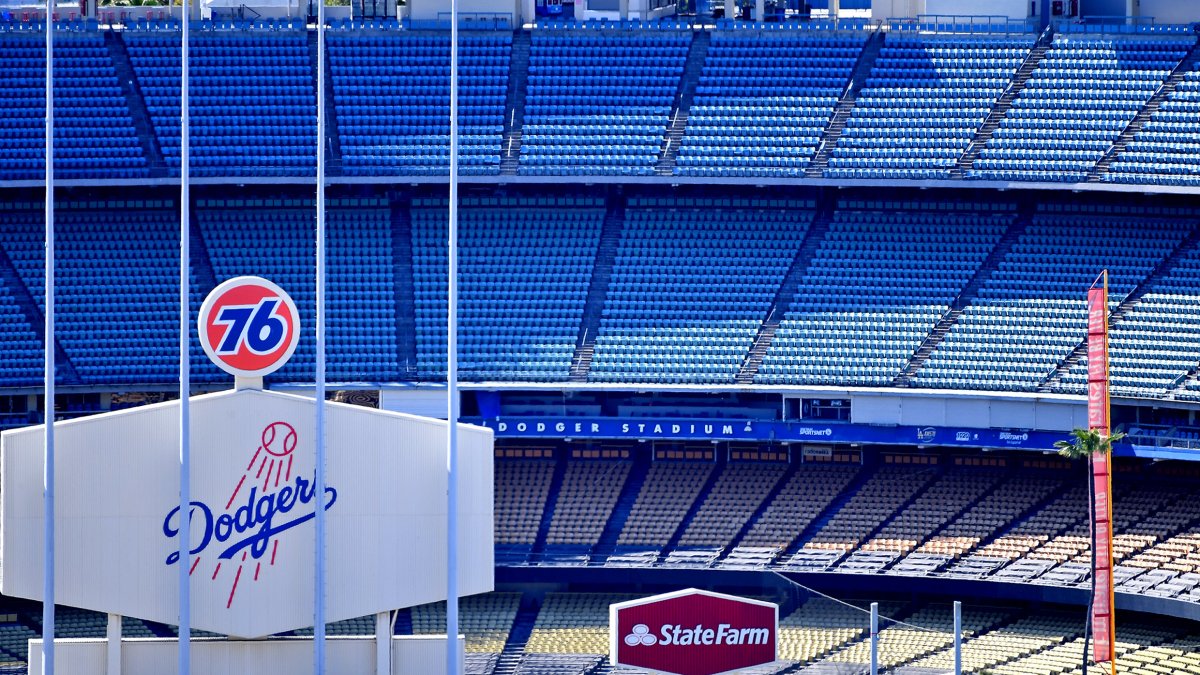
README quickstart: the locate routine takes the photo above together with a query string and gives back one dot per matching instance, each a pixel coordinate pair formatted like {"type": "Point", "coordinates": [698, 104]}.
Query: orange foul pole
{"type": "Point", "coordinates": [1103, 617]}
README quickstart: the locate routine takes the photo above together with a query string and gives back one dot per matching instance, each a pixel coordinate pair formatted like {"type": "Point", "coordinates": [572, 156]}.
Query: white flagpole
{"type": "Point", "coordinates": [185, 389]}
{"type": "Point", "coordinates": [48, 465]}
{"type": "Point", "coordinates": [452, 367]}
{"type": "Point", "coordinates": [319, 479]}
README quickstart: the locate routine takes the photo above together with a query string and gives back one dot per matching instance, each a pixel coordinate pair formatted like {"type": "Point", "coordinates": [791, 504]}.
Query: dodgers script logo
{"type": "Point", "coordinates": [249, 326]}
{"type": "Point", "coordinates": [246, 531]}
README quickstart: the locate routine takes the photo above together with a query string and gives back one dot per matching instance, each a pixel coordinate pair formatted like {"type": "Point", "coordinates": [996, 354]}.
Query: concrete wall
{"type": "Point", "coordinates": [1170, 11]}
{"type": "Point", "coordinates": [882, 10]}
{"type": "Point", "coordinates": [981, 413]}
{"type": "Point", "coordinates": [1013, 9]}
{"type": "Point", "coordinates": [429, 402]}
{"type": "Point", "coordinates": [896, 9]}
{"type": "Point", "coordinates": [1112, 7]}
{"type": "Point", "coordinates": [429, 9]}
{"type": "Point", "coordinates": [424, 655]}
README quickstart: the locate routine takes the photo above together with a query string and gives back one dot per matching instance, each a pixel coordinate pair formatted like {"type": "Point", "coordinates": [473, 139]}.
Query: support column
{"type": "Point", "coordinates": [957, 638]}
{"type": "Point", "coordinates": [835, 8]}
{"type": "Point", "coordinates": [113, 645]}
{"type": "Point", "coordinates": [760, 10]}
{"type": "Point", "coordinates": [730, 9]}
{"type": "Point", "coordinates": [874, 638]}
{"type": "Point", "coordinates": [383, 643]}
{"type": "Point", "coordinates": [623, 8]}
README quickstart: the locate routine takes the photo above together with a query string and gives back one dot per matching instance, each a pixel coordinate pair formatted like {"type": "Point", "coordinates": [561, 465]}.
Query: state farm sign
{"type": "Point", "coordinates": [693, 632]}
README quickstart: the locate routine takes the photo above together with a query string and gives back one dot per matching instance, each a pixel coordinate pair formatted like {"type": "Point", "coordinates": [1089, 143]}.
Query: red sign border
{"type": "Point", "coordinates": [614, 639]}
{"type": "Point", "coordinates": [206, 309]}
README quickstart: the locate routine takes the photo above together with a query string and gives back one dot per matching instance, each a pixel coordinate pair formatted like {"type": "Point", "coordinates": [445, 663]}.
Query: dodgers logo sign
{"type": "Point", "coordinates": [249, 326]}
{"type": "Point", "coordinates": [693, 632]}
{"type": "Point", "coordinates": [242, 535]}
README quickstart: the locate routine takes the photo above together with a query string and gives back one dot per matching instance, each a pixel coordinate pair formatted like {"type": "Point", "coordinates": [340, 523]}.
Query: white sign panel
{"type": "Point", "coordinates": [117, 512]}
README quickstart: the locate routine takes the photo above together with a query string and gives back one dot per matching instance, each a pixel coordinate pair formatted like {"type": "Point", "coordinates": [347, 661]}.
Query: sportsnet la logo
{"type": "Point", "coordinates": [240, 539]}
{"type": "Point", "coordinates": [693, 632]}
{"type": "Point", "coordinates": [249, 326]}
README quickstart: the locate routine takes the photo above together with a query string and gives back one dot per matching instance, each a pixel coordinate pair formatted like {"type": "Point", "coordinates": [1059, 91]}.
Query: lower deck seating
{"type": "Point", "coordinates": [521, 491]}
{"type": "Point", "coordinates": [589, 492]}
{"type": "Point", "coordinates": [878, 498]}
{"type": "Point", "coordinates": [732, 500]}
{"type": "Point", "coordinates": [573, 623]}
{"type": "Point", "coordinates": [805, 496]}
{"type": "Point", "coordinates": [485, 620]}
{"type": "Point", "coordinates": [669, 491]}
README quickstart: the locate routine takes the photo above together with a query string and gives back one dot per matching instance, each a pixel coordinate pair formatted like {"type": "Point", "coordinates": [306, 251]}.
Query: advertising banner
{"type": "Point", "coordinates": [693, 632]}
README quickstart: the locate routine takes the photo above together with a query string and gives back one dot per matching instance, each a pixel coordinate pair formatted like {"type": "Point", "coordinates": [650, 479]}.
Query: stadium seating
{"type": "Point", "coordinates": [23, 349]}
{"type": "Point", "coordinates": [759, 113]}
{"type": "Point", "coordinates": [521, 490]}
{"type": "Point", "coordinates": [1019, 638]}
{"type": "Point", "coordinates": [94, 133]}
{"type": "Point", "coordinates": [890, 488]}
{"type": "Point", "coordinates": [525, 268]}
{"type": "Point", "coordinates": [809, 492]}
{"type": "Point", "coordinates": [128, 255]}
{"type": "Point", "coordinates": [690, 286]}
{"type": "Point", "coordinates": [860, 311]}
{"type": "Point", "coordinates": [1154, 345]}
{"type": "Point", "coordinates": [922, 104]}
{"type": "Point", "coordinates": [819, 625]}
{"type": "Point", "coordinates": [391, 92]}
{"type": "Point", "coordinates": [1038, 284]}
{"type": "Point", "coordinates": [573, 623]}
{"type": "Point", "coordinates": [589, 493]}
{"type": "Point", "coordinates": [991, 514]}
{"type": "Point", "coordinates": [252, 100]}
{"type": "Point", "coordinates": [1073, 108]}
{"type": "Point", "coordinates": [599, 103]}
{"type": "Point", "coordinates": [939, 504]}
{"type": "Point", "coordinates": [667, 494]}
{"type": "Point", "coordinates": [729, 503]}
{"type": "Point", "coordinates": [926, 630]}
{"type": "Point", "coordinates": [485, 619]}
{"type": "Point", "coordinates": [1167, 149]}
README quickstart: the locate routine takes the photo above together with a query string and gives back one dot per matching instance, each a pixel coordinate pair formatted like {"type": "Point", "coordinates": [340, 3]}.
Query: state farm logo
{"type": "Point", "coordinates": [693, 632]}
{"type": "Point", "coordinates": [640, 636]}
{"type": "Point", "coordinates": [675, 634]}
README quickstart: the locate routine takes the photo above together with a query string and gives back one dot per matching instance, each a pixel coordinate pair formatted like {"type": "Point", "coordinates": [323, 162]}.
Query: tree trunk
{"type": "Point", "coordinates": [1087, 627]}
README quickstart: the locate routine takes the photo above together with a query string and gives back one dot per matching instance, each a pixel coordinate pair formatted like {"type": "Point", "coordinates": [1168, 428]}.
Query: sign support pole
{"type": "Point", "coordinates": [383, 643]}
{"type": "Point", "coordinates": [185, 407]}
{"type": "Point", "coordinates": [452, 366]}
{"type": "Point", "coordinates": [874, 638]}
{"type": "Point", "coordinates": [319, 479]}
{"type": "Point", "coordinates": [48, 398]}
{"type": "Point", "coordinates": [113, 645]}
{"type": "Point", "coordinates": [957, 638]}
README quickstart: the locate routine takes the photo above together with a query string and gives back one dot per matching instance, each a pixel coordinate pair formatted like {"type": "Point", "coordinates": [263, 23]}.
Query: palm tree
{"type": "Point", "coordinates": [1086, 443]}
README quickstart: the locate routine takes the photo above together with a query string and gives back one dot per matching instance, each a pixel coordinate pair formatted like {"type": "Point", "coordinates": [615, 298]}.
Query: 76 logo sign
{"type": "Point", "coordinates": [249, 326]}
